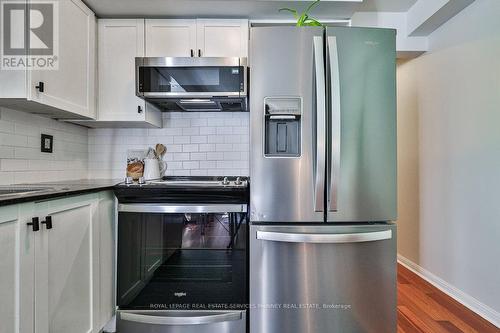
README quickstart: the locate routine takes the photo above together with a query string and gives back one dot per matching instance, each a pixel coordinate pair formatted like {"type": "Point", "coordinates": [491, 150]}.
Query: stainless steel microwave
{"type": "Point", "coordinates": [193, 84]}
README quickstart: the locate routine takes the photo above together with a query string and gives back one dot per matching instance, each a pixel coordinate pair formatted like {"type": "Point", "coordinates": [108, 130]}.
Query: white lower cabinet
{"type": "Point", "coordinates": [56, 279]}
{"type": "Point", "coordinates": [16, 269]}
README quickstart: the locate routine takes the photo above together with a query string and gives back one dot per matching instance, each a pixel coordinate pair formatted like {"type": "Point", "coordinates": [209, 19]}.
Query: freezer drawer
{"type": "Point", "coordinates": [323, 279]}
{"type": "Point", "coordinates": [172, 321]}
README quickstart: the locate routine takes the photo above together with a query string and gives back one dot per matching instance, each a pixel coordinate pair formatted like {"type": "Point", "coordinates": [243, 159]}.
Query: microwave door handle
{"type": "Point", "coordinates": [333, 61]}
{"type": "Point", "coordinates": [319, 99]}
{"type": "Point", "coordinates": [181, 320]}
{"type": "Point", "coordinates": [324, 238]}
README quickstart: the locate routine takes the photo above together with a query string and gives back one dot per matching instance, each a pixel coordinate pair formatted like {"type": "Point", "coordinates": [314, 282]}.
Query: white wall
{"type": "Point", "coordinates": [198, 144]}
{"type": "Point", "coordinates": [20, 158]}
{"type": "Point", "coordinates": [455, 90]}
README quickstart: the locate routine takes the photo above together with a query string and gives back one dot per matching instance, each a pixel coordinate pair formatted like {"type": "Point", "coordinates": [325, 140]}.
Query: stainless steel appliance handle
{"type": "Point", "coordinates": [324, 238]}
{"type": "Point", "coordinates": [181, 320]}
{"type": "Point", "coordinates": [197, 101]}
{"type": "Point", "coordinates": [184, 208]}
{"type": "Point", "coordinates": [202, 110]}
{"type": "Point", "coordinates": [319, 181]}
{"type": "Point", "coordinates": [333, 61]}
{"type": "Point", "coordinates": [283, 117]}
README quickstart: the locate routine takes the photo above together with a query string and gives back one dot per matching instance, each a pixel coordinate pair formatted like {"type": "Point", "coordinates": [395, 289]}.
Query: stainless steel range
{"type": "Point", "coordinates": [182, 255]}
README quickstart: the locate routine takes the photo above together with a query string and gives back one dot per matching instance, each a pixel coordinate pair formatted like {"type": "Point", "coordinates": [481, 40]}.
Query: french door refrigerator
{"type": "Point", "coordinates": [323, 172]}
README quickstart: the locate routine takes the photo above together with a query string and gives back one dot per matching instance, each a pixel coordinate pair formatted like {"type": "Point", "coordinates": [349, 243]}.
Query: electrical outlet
{"type": "Point", "coordinates": [47, 143]}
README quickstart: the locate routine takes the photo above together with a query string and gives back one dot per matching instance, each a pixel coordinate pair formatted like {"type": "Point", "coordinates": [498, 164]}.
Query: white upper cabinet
{"type": "Point", "coordinates": [222, 38]}
{"type": "Point", "coordinates": [170, 38]}
{"type": "Point", "coordinates": [197, 38]}
{"type": "Point", "coordinates": [119, 42]}
{"type": "Point", "coordinates": [71, 87]}
{"type": "Point", "coordinates": [69, 91]}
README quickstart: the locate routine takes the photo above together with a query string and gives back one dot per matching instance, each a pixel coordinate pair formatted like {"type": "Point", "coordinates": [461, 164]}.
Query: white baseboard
{"type": "Point", "coordinates": [468, 301]}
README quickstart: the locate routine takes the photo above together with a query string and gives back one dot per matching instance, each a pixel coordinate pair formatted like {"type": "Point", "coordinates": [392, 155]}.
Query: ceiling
{"type": "Point", "coordinates": [254, 9]}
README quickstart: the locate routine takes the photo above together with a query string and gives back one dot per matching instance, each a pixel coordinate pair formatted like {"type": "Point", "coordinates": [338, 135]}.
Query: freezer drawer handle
{"type": "Point", "coordinates": [185, 208]}
{"type": "Point", "coordinates": [324, 238]}
{"type": "Point", "coordinates": [195, 320]}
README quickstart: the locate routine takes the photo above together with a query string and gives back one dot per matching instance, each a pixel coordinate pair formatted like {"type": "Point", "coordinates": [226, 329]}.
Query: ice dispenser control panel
{"type": "Point", "coordinates": [282, 126]}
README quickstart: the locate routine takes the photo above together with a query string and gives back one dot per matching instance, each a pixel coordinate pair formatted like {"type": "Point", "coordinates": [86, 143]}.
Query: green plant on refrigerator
{"type": "Point", "coordinates": [304, 20]}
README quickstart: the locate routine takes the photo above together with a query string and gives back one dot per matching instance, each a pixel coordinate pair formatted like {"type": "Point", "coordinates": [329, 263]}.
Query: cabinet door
{"type": "Point", "coordinates": [71, 87]}
{"type": "Point", "coordinates": [16, 267]}
{"type": "Point", "coordinates": [170, 38]}
{"type": "Point", "coordinates": [119, 42]}
{"type": "Point", "coordinates": [107, 243]}
{"type": "Point", "coordinates": [222, 38]}
{"type": "Point", "coordinates": [67, 268]}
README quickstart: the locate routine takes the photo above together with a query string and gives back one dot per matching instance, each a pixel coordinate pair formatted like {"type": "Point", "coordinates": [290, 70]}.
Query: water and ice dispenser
{"type": "Point", "coordinates": [282, 126]}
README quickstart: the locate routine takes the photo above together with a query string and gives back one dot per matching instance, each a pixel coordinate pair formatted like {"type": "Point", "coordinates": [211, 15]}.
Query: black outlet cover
{"type": "Point", "coordinates": [47, 143]}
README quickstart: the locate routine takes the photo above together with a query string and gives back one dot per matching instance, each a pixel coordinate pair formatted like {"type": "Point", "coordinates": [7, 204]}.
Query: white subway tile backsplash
{"type": "Point", "coordinates": [207, 147]}
{"type": "Point", "coordinates": [224, 147]}
{"type": "Point", "coordinates": [182, 139]}
{"type": "Point", "coordinates": [208, 130]}
{"type": "Point", "coordinates": [195, 142]}
{"type": "Point", "coordinates": [14, 140]}
{"type": "Point", "coordinates": [190, 131]}
{"type": "Point", "coordinates": [199, 139]}
{"type": "Point", "coordinates": [181, 157]}
{"type": "Point", "coordinates": [6, 126]}
{"type": "Point", "coordinates": [20, 158]}
{"type": "Point", "coordinates": [214, 156]}
{"type": "Point", "coordinates": [191, 165]}
{"type": "Point", "coordinates": [190, 148]}
{"type": "Point", "coordinates": [198, 156]}
{"type": "Point", "coordinates": [13, 165]}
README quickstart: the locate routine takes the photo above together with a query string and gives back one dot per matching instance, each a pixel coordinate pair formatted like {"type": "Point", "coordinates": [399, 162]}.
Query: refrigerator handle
{"type": "Point", "coordinates": [288, 237]}
{"type": "Point", "coordinates": [320, 101]}
{"type": "Point", "coordinates": [333, 67]}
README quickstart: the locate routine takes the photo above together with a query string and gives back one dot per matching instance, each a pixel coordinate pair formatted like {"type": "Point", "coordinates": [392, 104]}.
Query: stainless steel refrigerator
{"type": "Point", "coordinates": [323, 175]}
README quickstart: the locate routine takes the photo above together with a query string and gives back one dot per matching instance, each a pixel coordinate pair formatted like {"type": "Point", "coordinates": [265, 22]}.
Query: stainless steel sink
{"type": "Point", "coordinates": [20, 190]}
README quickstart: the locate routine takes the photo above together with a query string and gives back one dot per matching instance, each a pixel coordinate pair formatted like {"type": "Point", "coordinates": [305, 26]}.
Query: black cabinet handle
{"type": "Point", "coordinates": [48, 222]}
{"type": "Point", "coordinates": [192, 53]}
{"type": "Point", "coordinates": [199, 52]}
{"type": "Point", "coordinates": [35, 224]}
{"type": "Point", "coordinates": [40, 86]}
{"type": "Point", "coordinates": [139, 109]}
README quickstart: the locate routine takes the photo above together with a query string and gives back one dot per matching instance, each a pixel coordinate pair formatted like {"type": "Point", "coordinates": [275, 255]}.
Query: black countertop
{"type": "Point", "coordinates": [52, 190]}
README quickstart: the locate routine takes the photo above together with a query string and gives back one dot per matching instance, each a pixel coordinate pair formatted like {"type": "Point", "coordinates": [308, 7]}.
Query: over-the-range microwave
{"type": "Point", "coordinates": [193, 84]}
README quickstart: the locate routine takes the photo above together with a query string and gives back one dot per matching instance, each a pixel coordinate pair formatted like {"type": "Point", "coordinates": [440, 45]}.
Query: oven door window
{"type": "Point", "coordinates": [182, 80]}
{"type": "Point", "coordinates": [181, 261]}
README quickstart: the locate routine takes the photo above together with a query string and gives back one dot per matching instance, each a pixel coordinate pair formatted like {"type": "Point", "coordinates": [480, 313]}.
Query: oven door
{"type": "Point", "coordinates": [190, 77]}
{"type": "Point", "coordinates": [181, 321]}
{"type": "Point", "coordinates": [185, 257]}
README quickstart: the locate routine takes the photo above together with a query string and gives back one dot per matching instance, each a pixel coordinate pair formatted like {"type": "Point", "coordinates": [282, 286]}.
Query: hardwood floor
{"type": "Point", "coordinates": [424, 309]}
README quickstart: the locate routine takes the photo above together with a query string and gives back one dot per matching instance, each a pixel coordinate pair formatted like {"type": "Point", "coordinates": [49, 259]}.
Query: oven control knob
{"type": "Point", "coordinates": [128, 180]}
{"type": "Point", "coordinates": [225, 181]}
{"type": "Point", "coordinates": [142, 180]}
{"type": "Point", "coordinates": [238, 181]}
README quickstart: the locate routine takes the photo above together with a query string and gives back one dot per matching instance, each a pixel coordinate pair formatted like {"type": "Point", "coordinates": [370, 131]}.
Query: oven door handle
{"type": "Point", "coordinates": [183, 208]}
{"type": "Point", "coordinates": [181, 320]}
